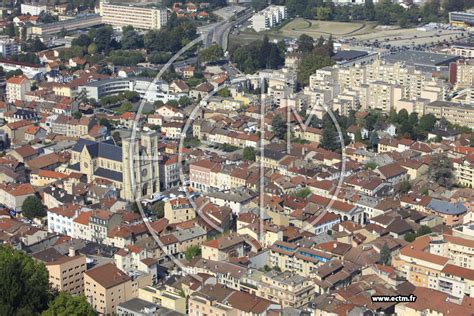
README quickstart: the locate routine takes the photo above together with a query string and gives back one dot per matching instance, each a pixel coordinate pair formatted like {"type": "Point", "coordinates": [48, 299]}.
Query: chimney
{"type": "Point", "coordinates": [72, 252]}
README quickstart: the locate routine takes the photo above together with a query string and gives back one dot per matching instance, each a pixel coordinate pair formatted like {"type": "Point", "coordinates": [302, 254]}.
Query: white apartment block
{"type": "Point", "coordinates": [145, 18]}
{"type": "Point", "coordinates": [33, 9]}
{"type": "Point", "coordinates": [9, 46]}
{"type": "Point", "coordinates": [269, 17]}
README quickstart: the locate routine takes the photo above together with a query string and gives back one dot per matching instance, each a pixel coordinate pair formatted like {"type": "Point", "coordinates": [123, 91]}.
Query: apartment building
{"type": "Point", "coordinates": [17, 88]}
{"type": "Point", "coordinates": [9, 47]}
{"type": "Point", "coordinates": [145, 18]}
{"type": "Point", "coordinates": [13, 195]}
{"type": "Point", "coordinates": [464, 171]}
{"type": "Point", "coordinates": [286, 288]}
{"type": "Point", "coordinates": [107, 286]}
{"type": "Point", "coordinates": [456, 113]}
{"type": "Point", "coordinates": [269, 17]}
{"type": "Point", "coordinates": [462, 73]}
{"type": "Point", "coordinates": [179, 210]}
{"type": "Point", "coordinates": [66, 272]}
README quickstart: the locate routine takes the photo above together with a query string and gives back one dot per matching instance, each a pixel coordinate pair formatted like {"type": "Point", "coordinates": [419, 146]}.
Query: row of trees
{"type": "Point", "coordinates": [26, 291]}
{"type": "Point", "coordinates": [316, 55]}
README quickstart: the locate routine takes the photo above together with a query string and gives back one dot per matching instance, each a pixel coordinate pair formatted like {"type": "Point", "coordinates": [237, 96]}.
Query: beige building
{"type": "Point", "coordinates": [107, 286]}
{"type": "Point", "coordinates": [140, 17]}
{"type": "Point", "coordinates": [17, 88]}
{"type": "Point", "coordinates": [179, 210]}
{"type": "Point", "coordinates": [286, 289]}
{"type": "Point", "coordinates": [456, 113]}
{"type": "Point", "coordinates": [66, 273]}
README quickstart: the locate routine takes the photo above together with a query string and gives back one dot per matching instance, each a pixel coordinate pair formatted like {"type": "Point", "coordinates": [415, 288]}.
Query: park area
{"type": "Point", "coordinates": [358, 32]}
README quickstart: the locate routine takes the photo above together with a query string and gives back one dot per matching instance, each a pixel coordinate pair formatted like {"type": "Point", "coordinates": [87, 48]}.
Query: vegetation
{"type": "Point", "coordinates": [65, 304]}
{"type": "Point", "coordinates": [249, 154]}
{"type": "Point", "coordinates": [384, 12]}
{"type": "Point", "coordinates": [211, 54]}
{"type": "Point", "coordinates": [314, 57]}
{"type": "Point", "coordinates": [302, 193]}
{"type": "Point", "coordinates": [192, 252]}
{"type": "Point", "coordinates": [25, 285]}
{"type": "Point", "coordinates": [385, 255]}
{"type": "Point", "coordinates": [279, 126]}
{"type": "Point", "coordinates": [33, 208]}
{"type": "Point", "coordinates": [158, 209]}
{"type": "Point", "coordinates": [441, 170]}
{"type": "Point", "coordinates": [258, 55]}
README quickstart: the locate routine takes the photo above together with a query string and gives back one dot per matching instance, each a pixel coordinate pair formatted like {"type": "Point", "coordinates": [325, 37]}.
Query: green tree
{"type": "Point", "coordinates": [305, 43]}
{"type": "Point", "coordinates": [192, 252]}
{"type": "Point", "coordinates": [65, 304]}
{"type": "Point", "coordinates": [158, 209]}
{"type": "Point", "coordinates": [33, 208]}
{"type": "Point", "coordinates": [405, 186]}
{"type": "Point", "coordinates": [92, 49]}
{"type": "Point", "coordinates": [409, 237]}
{"type": "Point", "coordinates": [423, 230]}
{"type": "Point", "coordinates": [24, 285]}
{"type": "Point", "coordinates": [279, 126]}
{"type": "Point", "coordinates": [329, 139]}
{"type": "Point", "coordinates": [102, 39]}
{"type": "Point", "coordinates": [83, 41]}
{"type": "Point", "coordinates": [125, 107]}
{"type": "Point", "coordinates": [441, 170]}
{"type": "Point", "coordinates": [211, 54]}
{"type": "Point", "coordinates": [371, 165]}
{"type": "Point", "coordinates": [249, 154]}
{"type": "Point", "coordinates": [185, 101]}
{"type": "Point", "coordinates": [358, 136]}
{"type": "Point", "coordinates": [77, 115]}
{"type": "Point", "coordinates": [385, 255]}
{"type": "Point", "coordinates": [308, 66]}
{"type": "Point", "coordinates": [131, 39]}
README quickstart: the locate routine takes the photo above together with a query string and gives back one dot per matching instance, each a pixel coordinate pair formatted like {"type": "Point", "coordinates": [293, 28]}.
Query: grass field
{"type": "Point", "coordinates": [317, 28]}
{"type": "Point", "coordinates": [359, 31]}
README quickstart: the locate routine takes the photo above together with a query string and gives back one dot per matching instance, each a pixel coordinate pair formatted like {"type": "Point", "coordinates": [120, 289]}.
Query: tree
{"type": "Point", "coordinates": [65, 304]}
{"type": "Point", "coordinates": [211, 54]}
{"type": "Point", "coordinates": [423, 230]}
{"type": "Point", "coordinates": [371, 165]}
{"type": "Point", "coordinates": [125, 107]}
{"type": "Point", "coordinates": [373, 140]}
{"type": "Point", "coordinates": [249, 154]}
{"type": "Point", "coordinates": [329, 139]}
{"type": "Point", "coordinates": [33, 208]}
{"type": "Point", "coordinates": [102, 39]}
{"type": "Point", "coordinates": [279, 126]}
{"type": "Point", "coordinates": [441, 170]}
{"type": "Point", "coordinates": [92, 49]}
{"type": "Point", "coordinates": [308, 66]}
{"type": "Point", "coordinates": [192, 252]}
{"type": "Point", "coordinates": [410, 237]}
{"type": "Point", "coordinates": [158, 209]}
{"type": "Point", "coordinates": [24, 33]}
{"type": "Point", "coordinates": [385, 255]}
{"type": "Point", "coordinates": [405, 186]}
{"type": "Point", "coordinates": [358, 136]}
{"type": "Point", "coordinates": [83, 41]}
{"type": "Point", "coordinates": [305, 43]}
{"type": "Point", "coordinates": [185, 101]}
{"type": "Point", "coordinates": [131, 39]}
{"type": "Point", "coordinates": [77, 115]}
{"type": "Point", "coordinates": [25, 283]}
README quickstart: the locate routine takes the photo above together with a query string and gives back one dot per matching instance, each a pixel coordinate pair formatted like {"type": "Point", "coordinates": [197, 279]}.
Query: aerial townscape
{"type": "Point", "coordinates": [237, 157]}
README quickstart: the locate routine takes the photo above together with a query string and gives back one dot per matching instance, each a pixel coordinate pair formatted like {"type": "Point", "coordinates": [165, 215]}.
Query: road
{"type": "Point", "coordinates": [219, 32]}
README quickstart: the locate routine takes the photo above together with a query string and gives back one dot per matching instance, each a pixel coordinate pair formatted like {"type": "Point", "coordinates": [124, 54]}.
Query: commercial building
{"type": "Point", "coordinates": [145, 18]}
{"type": "Point", "coordinates": [148, 89]}
{"type": "Point", "coordinates": [269, 17]}
{"type": "Point", "coordinates": [462, 19]}
{"type": "Point", "coordinates": [77, 23]}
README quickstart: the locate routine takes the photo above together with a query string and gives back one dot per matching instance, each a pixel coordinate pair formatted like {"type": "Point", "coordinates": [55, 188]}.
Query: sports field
{"type": "Point", "coordinates": [317, 28]}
